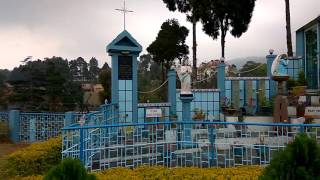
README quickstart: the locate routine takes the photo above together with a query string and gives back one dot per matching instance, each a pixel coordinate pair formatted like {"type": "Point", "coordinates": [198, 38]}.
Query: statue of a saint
{"type": "Point", "coordinates": [184, 73]}
{"type": "Point", "coordinates": [279, 66]}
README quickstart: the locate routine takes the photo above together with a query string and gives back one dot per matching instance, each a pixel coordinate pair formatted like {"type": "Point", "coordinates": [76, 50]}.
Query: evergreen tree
{"type": "Point", "coordinates": [191, 9]}
{"type": "Point", "coordinates": [169, 45]}
{"type": "Point", "coordinates": [218, 16]}
{"type": "Point", "coordinates": [93, 69]}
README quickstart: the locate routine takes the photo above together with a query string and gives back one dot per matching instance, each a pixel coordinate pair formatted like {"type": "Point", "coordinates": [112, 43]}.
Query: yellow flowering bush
{"type": "Point", "coordinates": [35, 159]}
{"type": "Point", "coordinates": [35, 177]}
{"type": "Point", "coordinates": [237, 173]}
{"type": "Point", "coordinates": [244, 172]}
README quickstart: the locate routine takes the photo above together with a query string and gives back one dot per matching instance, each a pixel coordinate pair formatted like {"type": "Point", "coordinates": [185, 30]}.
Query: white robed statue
{"type": "Point", "coordinates": [184, 73]}
{"type": "Point", "coordinates": [279, 65]}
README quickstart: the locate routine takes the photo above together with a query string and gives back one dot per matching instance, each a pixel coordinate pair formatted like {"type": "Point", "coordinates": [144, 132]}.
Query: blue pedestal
{"type": "Point", "coordinates": [186, 117]}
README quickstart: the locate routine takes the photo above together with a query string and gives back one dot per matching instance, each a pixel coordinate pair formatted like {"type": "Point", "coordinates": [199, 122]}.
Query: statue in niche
{"type": "Point", "coordinates": [184, 72]}
{"type": "Point", "coordinates": [279, 65]}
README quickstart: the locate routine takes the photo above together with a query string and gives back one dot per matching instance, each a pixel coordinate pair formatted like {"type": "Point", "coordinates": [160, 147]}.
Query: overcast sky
{"type": "Point", "coordinates": [73, 28]}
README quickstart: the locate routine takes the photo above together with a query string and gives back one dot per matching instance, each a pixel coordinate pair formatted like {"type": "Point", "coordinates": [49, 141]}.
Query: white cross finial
{"type": "Point", "coordinates": [124, 11]}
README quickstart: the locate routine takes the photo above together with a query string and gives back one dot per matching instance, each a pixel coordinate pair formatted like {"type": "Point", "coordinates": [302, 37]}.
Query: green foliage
{"type": "Point", "coordinates": [302, 79]}
{"type": "Point", "coordinates": [189, 7]}
{"type": "Point", "coordinates": [105, 80]}
{"type": "Point", "coordinates": [220, 16]}
{"type": "Point", "coordinates": [254, 69]}
{"type": "Point", "coordinates": [149, 75]}
{"type": "Point", "coordinates": [169, 44]}
{"type": "Point", "coordinates": [291, 83]}
{"type": "Point", "coordinates": [69, 169]}
{"type": "Point", "coordinates": [79, 70]}
{"type": "Point", "coordinates": [93, 69]}
{"type": "Point", "coordinates": [35, 159]}
{"type": "Point", "coordinates": [299, 160]}
{"type": "Point", "coordinates": [45, 85]}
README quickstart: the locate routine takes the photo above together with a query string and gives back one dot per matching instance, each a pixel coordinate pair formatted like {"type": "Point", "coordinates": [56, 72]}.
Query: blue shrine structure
{"type": "Point", "coordinates": [124, 51]}
{"type": "Point", "coordinates": [192, 132]}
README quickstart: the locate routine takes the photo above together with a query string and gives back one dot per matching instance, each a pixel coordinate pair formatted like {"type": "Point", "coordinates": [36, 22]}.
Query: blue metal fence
{"type": "Point", "coordinates": [4, 117]}
{"type": "Point", "coordinates": [179, 144]}
{"type": "Point", "coordinates": [40, 126]}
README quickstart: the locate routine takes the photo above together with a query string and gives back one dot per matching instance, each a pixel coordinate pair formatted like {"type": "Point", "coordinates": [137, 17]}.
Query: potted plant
{"type": "Point", "coordinates": [300, 85]}
{"type": "Point", "coordinates": [173, 118]}
{"type": "Point", "coordinates": [199, 115]}
{"type": "Point", "coordinates": [231, 110]}
{"type": "Point", "coordinates": [225, 104]}
{"type": "Point", "coordinates": [265, 105]}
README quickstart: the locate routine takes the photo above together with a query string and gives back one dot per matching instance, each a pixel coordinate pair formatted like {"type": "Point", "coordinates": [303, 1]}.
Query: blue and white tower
{"type": "Point", "coordinates": [124, 51]}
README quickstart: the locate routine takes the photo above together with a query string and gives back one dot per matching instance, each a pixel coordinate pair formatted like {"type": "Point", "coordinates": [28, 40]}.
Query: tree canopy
{"type": "Point", "coordinates": [192, 9]}
{"type": "Point", "coordinates": [45, 85]}
{"type": "Point", "coordinates": [169, 44]}
{"type": "Point", "coordinates": [220, 16]}
{"type": "Point", "coordinates": [189, 7]}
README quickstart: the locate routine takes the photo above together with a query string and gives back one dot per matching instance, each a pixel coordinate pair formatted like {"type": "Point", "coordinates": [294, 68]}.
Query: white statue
{"type": "Point", "coordinates": [184, 73]}
{"type": "Point", "coordinates": [279, 65]}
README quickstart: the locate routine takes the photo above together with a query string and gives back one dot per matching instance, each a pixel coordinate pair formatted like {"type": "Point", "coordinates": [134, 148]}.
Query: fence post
{"type": "Point", "coordinates": [221, 79]}
{"type": "Point", "coordinates": [14, 125]}
{"type": "Point", "coordinates": [68, 118]}
{"type": "Point", "coordinates": [301, 129]}
{"type": "Point", "coordinates": [32, 130]}
{"type": "Point", "coordinates": [212, 139]}
{"type": "Point", "coordinates": [172, 91]}
{"type": "Point", "coordinates": [81, 144]}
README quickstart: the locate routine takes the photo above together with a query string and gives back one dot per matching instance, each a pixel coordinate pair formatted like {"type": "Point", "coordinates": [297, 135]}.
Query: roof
{"type": "Point", "coordinates": [311, 23]}
{"type": "Point", "coordinates": [124, 42]}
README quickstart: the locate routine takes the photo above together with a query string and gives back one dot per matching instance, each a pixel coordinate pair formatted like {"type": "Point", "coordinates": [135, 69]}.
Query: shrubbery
{"type": "Point", "coordinates": [244, 172]}
{"type": "Point", "coordinates": [35, 159]}
{"type": "Point", "coordinates": [69, 169]}
{"type": "Point", "coordinates": [299, 160]}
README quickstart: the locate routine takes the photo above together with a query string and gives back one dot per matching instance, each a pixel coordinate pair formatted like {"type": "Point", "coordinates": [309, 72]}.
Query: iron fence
{"type": "Point", "coordinates": [4, 117]}
{"type": "Point", "coordinates": [179, 144]}
{"type": "Point", "coordinates": [40, 126]}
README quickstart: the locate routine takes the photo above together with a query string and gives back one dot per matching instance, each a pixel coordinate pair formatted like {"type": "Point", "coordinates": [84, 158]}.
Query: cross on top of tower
{"type": "Point", "coordinates": [124, 11]}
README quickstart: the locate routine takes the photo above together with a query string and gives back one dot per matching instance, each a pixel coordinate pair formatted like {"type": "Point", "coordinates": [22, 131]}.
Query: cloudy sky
{"type": "Point", "coordinates": [73, 28]}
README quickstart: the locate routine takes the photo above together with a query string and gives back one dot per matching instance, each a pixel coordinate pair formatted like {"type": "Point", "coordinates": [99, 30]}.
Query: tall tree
{"type": "Point", "coordinates": [149, 74]}
{"type": "Point", "coordinates": [191, 9]}
{"type": "Point", "coordinates": [218, 16]}
{"type": "Point", "coordinates": [93, 69]}
{"type": "Point", "coordinates": [169, 44]}
{"type": "Point", "coordinates": [105, 80]}
{"type": "Point", "coordinates": [288, 28]}
{"type": "Point", "coordinates": [79, 69]}
{"type": "Point", "coordinates": [45, 85]}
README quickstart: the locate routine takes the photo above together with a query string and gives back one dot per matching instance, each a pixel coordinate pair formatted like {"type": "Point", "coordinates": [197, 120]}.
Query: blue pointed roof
{"type": "Point", "coordinates": [124, 42]}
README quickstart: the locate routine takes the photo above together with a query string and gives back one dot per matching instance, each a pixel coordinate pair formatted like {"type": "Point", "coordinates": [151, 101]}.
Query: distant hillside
{"type": "Point", "coordinates": [239, 62]}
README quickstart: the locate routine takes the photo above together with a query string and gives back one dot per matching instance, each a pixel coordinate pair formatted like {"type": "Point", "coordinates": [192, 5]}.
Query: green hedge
{"type": "Point", "coordinates": [35, 159]}
{"type": "Point", "coordinates": [299, 160]}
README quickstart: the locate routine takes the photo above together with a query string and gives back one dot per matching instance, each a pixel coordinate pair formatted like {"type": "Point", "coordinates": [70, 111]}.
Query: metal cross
{"type": "Point", "coordinates": [124, 11]}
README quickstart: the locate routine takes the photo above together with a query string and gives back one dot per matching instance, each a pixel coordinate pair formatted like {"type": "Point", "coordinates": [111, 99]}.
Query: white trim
{"type": "Point", "coordinates": [201, 90]}
{"type": "Point", "coordinates": [247, 78]}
